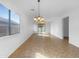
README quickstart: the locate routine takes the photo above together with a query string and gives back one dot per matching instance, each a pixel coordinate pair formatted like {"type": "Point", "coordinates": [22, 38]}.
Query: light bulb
{"type": "Point", "coordinates": [39, 17]}
{"type": "Point", "coordinates": [35, 19]}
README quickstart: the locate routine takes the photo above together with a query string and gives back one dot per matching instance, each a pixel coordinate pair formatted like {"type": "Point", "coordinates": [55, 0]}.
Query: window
{"type": "Point", "coordinates": [9, 22]}
{"type": "Point", "coordinates": [4, 21]}
{"type": "Point", "coordinates": [15, 23]}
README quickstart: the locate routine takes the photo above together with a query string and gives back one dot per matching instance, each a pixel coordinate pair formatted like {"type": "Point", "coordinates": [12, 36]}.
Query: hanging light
{"type": "Point", "coordinates": [39, 19]}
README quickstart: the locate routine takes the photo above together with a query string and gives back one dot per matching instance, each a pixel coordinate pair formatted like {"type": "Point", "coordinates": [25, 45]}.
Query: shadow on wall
{"type": "Point", "coordinates": [66, 27]}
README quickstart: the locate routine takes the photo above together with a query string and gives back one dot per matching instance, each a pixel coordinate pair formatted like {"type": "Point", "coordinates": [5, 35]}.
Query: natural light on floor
{"type": "Point", "coordinates": [43, 34]}
{"type": "Point", "coordinates": [39, 55]}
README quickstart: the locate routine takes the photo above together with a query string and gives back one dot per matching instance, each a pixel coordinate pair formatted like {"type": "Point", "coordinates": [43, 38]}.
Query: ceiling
{"type": "Point", "coordinates": [49, 8]}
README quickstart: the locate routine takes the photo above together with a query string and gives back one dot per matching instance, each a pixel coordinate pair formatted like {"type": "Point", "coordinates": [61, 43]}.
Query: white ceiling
{"type": "Point", "coordinates": [49, 8]}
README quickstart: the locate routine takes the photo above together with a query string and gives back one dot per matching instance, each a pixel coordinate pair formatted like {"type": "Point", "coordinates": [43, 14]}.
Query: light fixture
{"type": "Point", "coordinates": [39, 19]}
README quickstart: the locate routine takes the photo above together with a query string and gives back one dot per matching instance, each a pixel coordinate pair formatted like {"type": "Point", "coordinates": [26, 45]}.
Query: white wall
{"type": "Point", "coordinates": [48, 27]}
{"type": "Point", "coordinates": [35, 28]}
{"type": "Point", "coordinates": [57, 27]}
{"type": "Point", "coordinates": [9, 44]}
{"type": "Point", "coordinates": [74, 27]}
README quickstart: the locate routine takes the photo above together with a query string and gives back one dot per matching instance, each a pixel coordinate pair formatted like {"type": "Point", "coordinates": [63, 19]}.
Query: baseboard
{"type": "Point", "coordinates": [20, 45]}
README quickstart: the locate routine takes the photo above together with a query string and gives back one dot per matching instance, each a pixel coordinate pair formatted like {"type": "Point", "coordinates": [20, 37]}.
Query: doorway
{"type": "Point", "coordinates": [66, 27]}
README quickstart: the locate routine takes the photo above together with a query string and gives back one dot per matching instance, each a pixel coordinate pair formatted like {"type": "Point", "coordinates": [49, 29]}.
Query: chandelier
{"type": "Point", "coordinates": [39, 19]}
